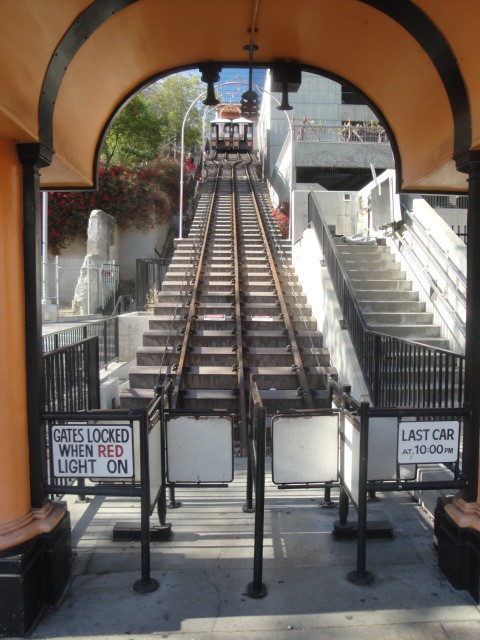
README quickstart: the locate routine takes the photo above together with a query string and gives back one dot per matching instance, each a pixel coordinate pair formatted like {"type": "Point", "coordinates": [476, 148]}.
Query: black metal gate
{"type": "Point", "coordinates": [150, 275]}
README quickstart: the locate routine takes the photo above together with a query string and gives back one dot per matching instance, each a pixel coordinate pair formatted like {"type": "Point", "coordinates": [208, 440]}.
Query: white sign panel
{"type": "Point", "coordinates": [155, 461]}
{"type": "Point", "coordinates": [262, 318]}
{"type": "Point", "coordinates": [428, 442]}
{"type": "Point", "coordinates": [217, 317]}
{"type": "Point", "coordinates": [351, 455]}
{"type": "Point", "coordinates": [200, 449]}
{"type": "Point", "coordinates": [84, 451]}
{"type": "Point", "coordinates": [305, 449]}
{"type": "Point", "coordinates": [382, 451]}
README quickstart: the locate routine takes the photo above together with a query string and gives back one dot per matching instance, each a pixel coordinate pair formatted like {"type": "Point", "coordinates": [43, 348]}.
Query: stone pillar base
{"type": "Point", "coordinates": [34, 576]}
{"type": "Point", "coordinates": [458, 550]}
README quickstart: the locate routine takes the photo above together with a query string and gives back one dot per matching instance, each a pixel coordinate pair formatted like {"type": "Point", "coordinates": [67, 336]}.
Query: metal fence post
{"type": "Point", "coordinates": [146, 583]}
{"type": "Point", "coordinates": [251, 421]}
{"type": "Point", "coordinates": [361, 575]}
{"type": "Point", "coordinates": [376, 370]}
{"type": "Point", "coordinates": [257, 588]}
{"type": "Point", "coordinates": [93, 377]}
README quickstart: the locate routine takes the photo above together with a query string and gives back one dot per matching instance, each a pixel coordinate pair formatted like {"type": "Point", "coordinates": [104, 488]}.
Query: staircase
{"type": "Point", "coordinates": [386, 298]}
{"type": "Point", "coordinates": [210, 380]}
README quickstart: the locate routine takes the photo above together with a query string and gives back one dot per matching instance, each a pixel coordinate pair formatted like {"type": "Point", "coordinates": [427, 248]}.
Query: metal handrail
{"type": "Point", "coordinates": [397, 372]}
{"type": "Point", "coordinates": [430, 240]}
{"type": "Point", "coordinates": [403, 243]}
{"type": "Point", "coordinates": [119, 307]}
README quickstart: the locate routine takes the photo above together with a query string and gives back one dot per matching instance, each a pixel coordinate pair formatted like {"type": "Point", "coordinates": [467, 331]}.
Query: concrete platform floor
{"type": "Point", "coordinates": [204, 571]}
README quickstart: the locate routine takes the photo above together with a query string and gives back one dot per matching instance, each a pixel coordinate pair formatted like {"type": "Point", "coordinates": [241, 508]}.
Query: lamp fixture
{"type": "Point", "coordinates": [210, 74]}
{"type": "Point", "coordinates": [286, 77]}
{"type": "Point", "coordinates": [284, 106]}
{"type": "Point", "coordinates": [249, 99]}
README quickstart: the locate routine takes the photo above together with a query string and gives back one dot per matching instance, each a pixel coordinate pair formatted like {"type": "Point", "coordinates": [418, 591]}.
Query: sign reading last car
{"type": "Point", "coordinates": [428, 442]}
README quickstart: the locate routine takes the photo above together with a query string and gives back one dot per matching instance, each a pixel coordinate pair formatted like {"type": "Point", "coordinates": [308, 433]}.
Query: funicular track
{"type": "Point", "coordinates": [230, 309]}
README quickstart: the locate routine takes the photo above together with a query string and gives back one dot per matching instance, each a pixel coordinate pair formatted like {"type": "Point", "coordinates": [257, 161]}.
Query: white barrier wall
{"type": "Point", "coordinates": [316, 284]}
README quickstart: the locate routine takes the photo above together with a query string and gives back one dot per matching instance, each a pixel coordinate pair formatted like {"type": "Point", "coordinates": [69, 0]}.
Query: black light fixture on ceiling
{"type": "Point", "coordinates": [249, 99]}
{"type": "Point", "coordinates": [210, 74]}
{"type": "Point", "coordinates": [286, 77]}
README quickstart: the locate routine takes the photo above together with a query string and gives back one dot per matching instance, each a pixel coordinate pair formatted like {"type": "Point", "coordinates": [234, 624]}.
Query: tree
{"type": "Point", "coordinates": [150, 124]}
{"type": "Point", "coordinates": [170, 99]}
{"type": "Point", "coordinates": [135, 135]}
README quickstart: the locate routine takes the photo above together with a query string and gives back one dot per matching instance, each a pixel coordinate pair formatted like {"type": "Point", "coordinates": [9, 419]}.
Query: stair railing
{"type": "Point", "coordinates": [397, 372]}
{"type": "Point", "coordinates": [425, 255]}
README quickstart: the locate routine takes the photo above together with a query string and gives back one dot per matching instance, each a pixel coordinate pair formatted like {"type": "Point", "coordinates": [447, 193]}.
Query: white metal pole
{"type": "Point", "coordinates": [182, 153]}
{"type": "Point", "coordinates": [88, 285]}
{"type": "Point", "coordinates": [44, 246]}
{"type": "Point", "coordinates": [292, 165]}
{"type": "Point", "coordinates": [57, 281]}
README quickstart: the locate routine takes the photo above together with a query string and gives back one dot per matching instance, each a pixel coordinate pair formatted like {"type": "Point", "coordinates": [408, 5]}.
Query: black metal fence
{"type": "Point", "coordinates": [105, 330]}
{"type": "Point", "coordinates": [397, 372]}
{"type": "Point", "coordinates": [150, 275]}
{"type": "Point", "coordinates": [357, 488]}
{"type": "Point", "coordinates": [71, 377]}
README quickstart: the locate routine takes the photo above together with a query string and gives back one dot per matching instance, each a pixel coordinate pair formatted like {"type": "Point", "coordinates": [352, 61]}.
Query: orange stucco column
{"type": "Point", "coordinates": [14, 465]}
{"type": "Point", "coordinates": [18, 521]}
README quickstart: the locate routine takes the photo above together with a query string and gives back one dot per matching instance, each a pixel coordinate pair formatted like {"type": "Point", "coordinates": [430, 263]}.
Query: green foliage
{"type": "Point", "coordinates": [139, 199]}
{"type": "Point", "coordinates": [170, 99]}
{"type": "Point", "coordinates": [135, 135]}
{"type": "Point", "coordinates": [150, 124]}
{"type": "Point", "coordinates": [136, 186]}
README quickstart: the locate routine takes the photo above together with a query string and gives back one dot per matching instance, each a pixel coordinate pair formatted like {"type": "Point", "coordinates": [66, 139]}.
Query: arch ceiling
{"type": "Point", "coordinates": [68, 65]}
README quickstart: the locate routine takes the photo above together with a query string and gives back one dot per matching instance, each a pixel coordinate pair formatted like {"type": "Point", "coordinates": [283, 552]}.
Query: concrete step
{"type": "Point", "coordinates": [285, 378]}
{"type": "Point", "coordinates": [162, 337]}
{"type": "Point", "coordinates": [398, 318]}
{"type": "Point", "coordinates": [136, 398]}
{"type": "Point", "coordinates": [209, 400]}
{"type": "Point", "coordinates": [375, 295]}
{"type": "Point", "coordinates": [362, 248]}
{"type": "Point", "coordinates": [361, 284]}
{"type": "Point", "coordinates": [267, 338]}
{"type": "Point", "coordinates": [393, 306]}
{"type": "Point", "coordinates": [373, 274]}
{"type": "Point", "coordinates": [280, 400]}
{"type": "Point", "coordinates": [416, 332]}
{"type": "Point", "coordinates": [352, 264]}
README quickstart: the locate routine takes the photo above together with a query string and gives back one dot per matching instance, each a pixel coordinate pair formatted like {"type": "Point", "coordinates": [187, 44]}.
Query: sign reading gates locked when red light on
{"type": "Point", "coordinates": [84, 451]}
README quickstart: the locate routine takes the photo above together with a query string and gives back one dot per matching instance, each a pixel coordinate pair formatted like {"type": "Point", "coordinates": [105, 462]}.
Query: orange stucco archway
{"type": "Point", "coordinates": [65, 67]}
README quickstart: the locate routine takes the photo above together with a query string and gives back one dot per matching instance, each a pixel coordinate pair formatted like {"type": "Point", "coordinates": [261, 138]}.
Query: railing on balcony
{"type": "Point", "coordinates": [446, 202]}
{"type": "Point", "coordinates": [309, 132]}
{"type": "Point", "coordinates": [397, 372]}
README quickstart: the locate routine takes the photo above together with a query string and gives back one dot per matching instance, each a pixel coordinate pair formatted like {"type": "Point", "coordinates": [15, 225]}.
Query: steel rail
{"type": "Point", "coordinates": [298, 364]}
{"type": "Point", "coordinates": [280, 253]}
{"type": "Point", "coordinates": [198, 264]}
{"type": "Point", "coordinates": [178, 300]}
{"type": "Point", "coordinates": [238, 320]}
